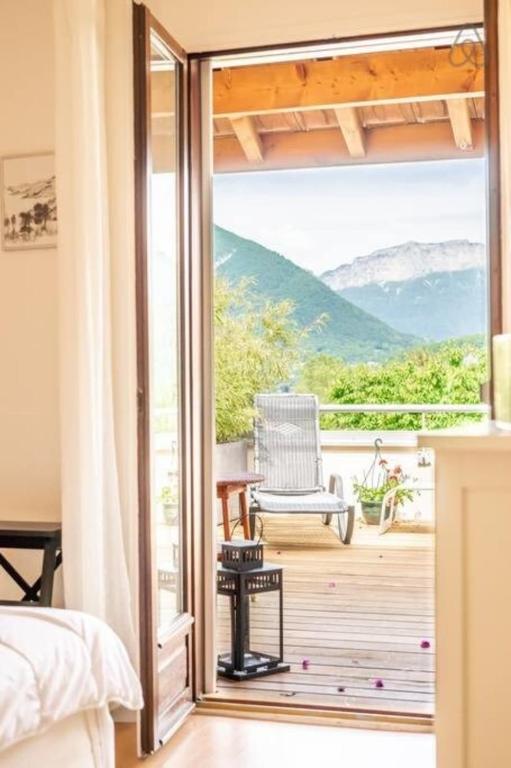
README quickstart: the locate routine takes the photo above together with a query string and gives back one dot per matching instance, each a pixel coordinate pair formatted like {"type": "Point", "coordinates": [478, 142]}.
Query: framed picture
{"type": "Point", "coordinates": [28, 202]}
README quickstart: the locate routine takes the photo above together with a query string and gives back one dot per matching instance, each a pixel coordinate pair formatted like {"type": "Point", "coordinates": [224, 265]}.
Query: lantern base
{"type": "Point", "coordinates": [254, 665]}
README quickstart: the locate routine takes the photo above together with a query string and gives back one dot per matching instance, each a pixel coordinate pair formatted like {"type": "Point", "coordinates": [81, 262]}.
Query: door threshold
{"type": "Point", "coordinates": [217, 704]}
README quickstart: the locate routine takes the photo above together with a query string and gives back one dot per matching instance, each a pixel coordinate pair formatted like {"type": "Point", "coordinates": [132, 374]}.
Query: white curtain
{"type": "Point", "coordinates": [93, 135]}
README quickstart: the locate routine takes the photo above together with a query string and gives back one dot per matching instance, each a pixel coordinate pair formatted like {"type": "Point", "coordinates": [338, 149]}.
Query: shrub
{"type": "Point", "coordinates": [256, 349]}
{"type": "Point", "coordinates": [450, 372]}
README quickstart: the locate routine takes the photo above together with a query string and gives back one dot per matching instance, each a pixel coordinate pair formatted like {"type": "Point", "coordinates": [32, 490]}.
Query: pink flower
{"type": "Point", "coordinates": [425, 644]}
{"type": "Point", "coordinates": [379, 683]}
{"type": "Point", "coordinates": [383, 462]}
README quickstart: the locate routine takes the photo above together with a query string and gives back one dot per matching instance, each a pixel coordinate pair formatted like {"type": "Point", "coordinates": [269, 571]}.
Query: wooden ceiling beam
{"type": "Point", "coordinates": [422, 74]}
{"type": "Point", "coordinates": [352, 130]}
{"type": "Point", "coordinates": [325, 147]}
{"type": "Point", "coordinates": [461, 124]}
{"type": "Point", "coordinates": [249, 139]}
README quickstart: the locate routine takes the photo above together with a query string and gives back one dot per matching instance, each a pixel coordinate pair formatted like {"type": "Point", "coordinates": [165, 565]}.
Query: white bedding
{"type": "Point", "coordinates": [84, 740]}
{"type": "Point", "coordinates": [55, 663]}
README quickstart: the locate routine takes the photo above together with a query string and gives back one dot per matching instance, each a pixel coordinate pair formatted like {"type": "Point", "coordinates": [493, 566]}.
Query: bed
{"type": "Point", "coordinates": [60, 673]}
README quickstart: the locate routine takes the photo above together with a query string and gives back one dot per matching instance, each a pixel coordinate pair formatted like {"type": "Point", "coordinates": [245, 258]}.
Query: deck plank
{"type": "Point", "coordinates": [358, 614]}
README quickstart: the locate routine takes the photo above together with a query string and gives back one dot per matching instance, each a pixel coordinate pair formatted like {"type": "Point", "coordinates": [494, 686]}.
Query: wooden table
{"type": "Point", "coordinates": [237, 482]}
{"type": "Point", "coordinates": [28, 535]}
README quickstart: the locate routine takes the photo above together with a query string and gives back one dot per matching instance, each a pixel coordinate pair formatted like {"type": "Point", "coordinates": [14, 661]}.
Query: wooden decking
{"type": "Point", "coordinates": [358, 614]}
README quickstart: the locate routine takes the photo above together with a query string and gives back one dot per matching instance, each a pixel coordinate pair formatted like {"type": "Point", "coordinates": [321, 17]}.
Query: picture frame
{"type": "Point", "coordinates": [28, 201]}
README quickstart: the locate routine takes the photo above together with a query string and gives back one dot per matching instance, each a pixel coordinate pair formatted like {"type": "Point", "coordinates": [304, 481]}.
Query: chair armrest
{"type": "Point", "coordinates": [336, 485]}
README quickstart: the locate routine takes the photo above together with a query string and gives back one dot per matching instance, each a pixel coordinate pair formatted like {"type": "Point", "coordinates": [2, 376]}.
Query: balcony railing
{"type": "Point", "coordinates": [481, 408]}
{"type": "Point", "coordinates": [364, 437]}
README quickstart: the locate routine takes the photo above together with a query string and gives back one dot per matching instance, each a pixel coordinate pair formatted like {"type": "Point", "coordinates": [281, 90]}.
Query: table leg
{"type": "Point", "coordinates": [244, 514]}
{"type": "Point", "coordinates": [15, 576]}
{"type": "Point", "coordinates": [49, 565]}
{"type": "Point", "coordinates": [225, 518]}
{"type": "Point", "coordinates": [33, 593]}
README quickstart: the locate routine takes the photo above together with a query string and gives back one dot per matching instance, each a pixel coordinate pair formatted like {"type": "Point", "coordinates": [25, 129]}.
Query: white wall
{"type": "Point", "coordinates": [29, 446]}
{"type": "Point", "coordinates": [202, 25]}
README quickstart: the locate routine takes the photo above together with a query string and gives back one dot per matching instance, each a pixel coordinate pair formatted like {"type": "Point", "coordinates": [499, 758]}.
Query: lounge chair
{"type": "Point", "coordinates": [288, 454]}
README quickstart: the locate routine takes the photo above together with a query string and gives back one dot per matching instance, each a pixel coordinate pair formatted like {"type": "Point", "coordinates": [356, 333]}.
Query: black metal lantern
{"type": "Point", "coordinates": [242, 555]}
{"type": "Point", "coordinates": [241, 575]}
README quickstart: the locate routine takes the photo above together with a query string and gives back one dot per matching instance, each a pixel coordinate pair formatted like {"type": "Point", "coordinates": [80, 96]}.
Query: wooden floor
{"type": "Point", "coordinates": [225, 742]}
{"type": "Point", "coordinates": [356, 614]}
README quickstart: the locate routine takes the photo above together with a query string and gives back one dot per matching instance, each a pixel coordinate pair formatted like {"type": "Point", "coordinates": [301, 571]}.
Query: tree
{"type": "Point", "coordinates": [26, 223]}
{"type": "Point", "coordinates": [451, 372]}
{"type": "Point", "coordinates": [256, 349]}
{"type": "Point", "coordinates": [41, 215]}
{"type": "Point", "coordinates": [319, 375]}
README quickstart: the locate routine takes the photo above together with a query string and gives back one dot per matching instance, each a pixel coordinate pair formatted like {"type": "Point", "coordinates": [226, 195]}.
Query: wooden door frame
{"type": "Point", "coordinates": [202, 386]}
{"type": "Point", "coordinates": [493, 179]}
{"type": "Point", "coordinates": [150, 643]}
{"type": "Point", "coordinates": [206, 674]}
{"type": "Point", "coordinates": [141, 91]}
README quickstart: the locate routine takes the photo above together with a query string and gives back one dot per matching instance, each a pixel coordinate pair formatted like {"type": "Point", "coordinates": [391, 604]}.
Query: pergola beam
{"type": "Point", "coordinates": [352, 130]}
{"type": "Point", "coordinates": [461, 125]}
{"type": "Point", "coordinates": [325, 147]}
{"type": "Point", "coordinates": [422, 74]}
{"type": "Point", "coordinates": [248, 138]}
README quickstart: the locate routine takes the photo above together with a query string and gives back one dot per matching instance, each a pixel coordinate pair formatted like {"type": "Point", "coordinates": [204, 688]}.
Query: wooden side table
{"type": "Point", "coordinates": [226, 486]}
{"type": "Point", "coordinates": [24, 535]}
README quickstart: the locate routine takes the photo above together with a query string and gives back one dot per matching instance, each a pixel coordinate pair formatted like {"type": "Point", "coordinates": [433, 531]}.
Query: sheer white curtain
{"type": "Point", "coordinates": [93, 134]}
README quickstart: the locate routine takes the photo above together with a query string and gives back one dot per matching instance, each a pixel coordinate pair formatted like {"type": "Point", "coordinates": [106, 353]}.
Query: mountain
{"type": "Point", "coordinates": [349, 331]}
{"type": "Point", "coordinates": [407, 261]}
{"type": "Point", "coordinates": [440, 305]}
{"type": "Point", "coordinates": [45, 188]}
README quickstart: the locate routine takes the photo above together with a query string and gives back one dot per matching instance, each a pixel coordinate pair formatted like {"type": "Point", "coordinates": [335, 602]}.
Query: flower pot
{"type": "Point", "coordinates": [371, 512]}
{"type": "Point", "coordinates": [170, 513]}
{"type": "Point", "coordinates": [231, 457]}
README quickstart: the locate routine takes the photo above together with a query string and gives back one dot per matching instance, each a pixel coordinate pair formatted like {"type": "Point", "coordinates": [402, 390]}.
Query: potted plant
{"type": "Point", "coordinates": [169, 501]}
{"type": "Point", "coordinates": [376, 483]}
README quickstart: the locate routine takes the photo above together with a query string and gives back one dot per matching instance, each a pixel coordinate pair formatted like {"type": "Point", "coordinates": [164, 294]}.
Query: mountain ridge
{"type": "Point", "coordinates": [350, 332]}
{"type": "Point", "coordinates": [406, 261]}
{"type": "Point", "coordinates": [436, 306]}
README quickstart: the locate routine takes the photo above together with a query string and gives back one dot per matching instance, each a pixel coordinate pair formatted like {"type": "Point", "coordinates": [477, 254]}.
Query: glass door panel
{"type": "Point", "coordinates": [164, 331]}
{"type": "Point", "coordinates": [166, 622]}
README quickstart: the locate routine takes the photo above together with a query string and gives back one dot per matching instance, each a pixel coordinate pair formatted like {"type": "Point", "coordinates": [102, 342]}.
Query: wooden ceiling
{"type": "Point", "coordinates": [399, 106]}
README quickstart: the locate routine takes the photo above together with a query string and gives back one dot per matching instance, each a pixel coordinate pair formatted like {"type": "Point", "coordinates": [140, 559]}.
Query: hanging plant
{"type": "Point", "coordinates": [379, 479]}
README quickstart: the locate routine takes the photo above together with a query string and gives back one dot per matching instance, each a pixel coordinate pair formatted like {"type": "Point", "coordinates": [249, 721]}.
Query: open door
{"type": "Point", "coordinates": [163, 376]}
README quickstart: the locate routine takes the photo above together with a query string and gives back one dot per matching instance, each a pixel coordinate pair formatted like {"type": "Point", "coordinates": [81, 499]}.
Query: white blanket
{"type": "Point", "coordinates": [54, 663]}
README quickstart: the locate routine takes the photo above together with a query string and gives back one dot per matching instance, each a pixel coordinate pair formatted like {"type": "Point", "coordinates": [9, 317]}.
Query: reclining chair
{"type": "Point", "coordinates": [288, 454]}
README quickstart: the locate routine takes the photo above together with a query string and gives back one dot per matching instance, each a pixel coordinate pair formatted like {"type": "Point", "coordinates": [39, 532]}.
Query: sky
{"type": "Point", "coordinates": [324, 217]}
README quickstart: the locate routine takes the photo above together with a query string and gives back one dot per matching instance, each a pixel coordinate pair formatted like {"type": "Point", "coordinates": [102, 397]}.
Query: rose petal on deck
{"type": "Point", "coordinates": [379, 683]}
{"type": "Point", "coordinates": [425, 644]}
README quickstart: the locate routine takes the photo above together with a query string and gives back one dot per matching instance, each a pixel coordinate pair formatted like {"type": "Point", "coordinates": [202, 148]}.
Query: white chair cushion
{"type": "Point", "coordinates": [321, 502]}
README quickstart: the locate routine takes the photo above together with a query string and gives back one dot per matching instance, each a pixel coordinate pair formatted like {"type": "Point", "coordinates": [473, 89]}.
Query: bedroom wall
{"type": "Point", "coordinates": [29, 446]}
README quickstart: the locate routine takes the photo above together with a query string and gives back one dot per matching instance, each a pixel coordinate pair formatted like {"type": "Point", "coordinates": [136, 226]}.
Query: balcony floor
{"type": "Point", "coordinates": [358, 614]}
